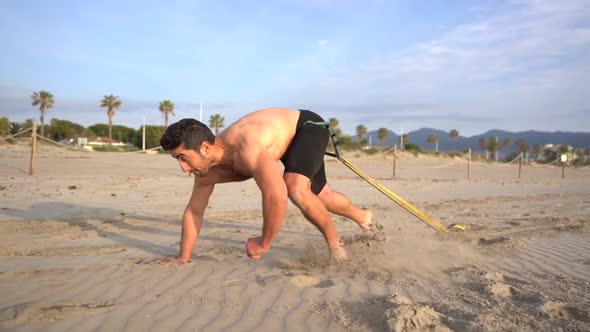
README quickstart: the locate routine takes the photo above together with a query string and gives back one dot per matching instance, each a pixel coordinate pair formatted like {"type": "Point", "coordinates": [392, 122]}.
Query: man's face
{"type": "Point", "coordinates": [191, 161]}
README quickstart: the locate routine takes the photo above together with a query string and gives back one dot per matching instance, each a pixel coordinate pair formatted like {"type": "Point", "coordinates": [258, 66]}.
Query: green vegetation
{"type": "Point", "coordinates": [121, 133]}
{"type": "Point", "coordinates": [412, 147]}
{"type": "Point", "coordinates": [112, 149]}
{"type": "Point", "coordinates": [372, 151]}
{"type": "Point", "coordinates": [4, 127]}
{"type": "Point", "coordinates": [62, 129]}
{"type": "Point", "coordinates": [153, 134]}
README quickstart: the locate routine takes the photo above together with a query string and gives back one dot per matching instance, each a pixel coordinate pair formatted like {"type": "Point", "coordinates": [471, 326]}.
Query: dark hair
{"type": "Point", "coordinates": [188, 132]}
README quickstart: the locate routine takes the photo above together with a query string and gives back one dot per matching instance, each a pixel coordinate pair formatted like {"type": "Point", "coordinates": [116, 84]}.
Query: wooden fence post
{"type": "Point", "coordinates": [33, 147]}
{"type": "Point", "coordinates": [469, 165]}
{"type": "Point", "coordinates": [394, 159]}
{"type": "Point", "coordinates": [519, 164]}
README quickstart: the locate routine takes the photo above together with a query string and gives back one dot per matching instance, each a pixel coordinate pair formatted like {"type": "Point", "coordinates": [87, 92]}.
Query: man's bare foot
{"type": "Point", "coordinates": [367, 223]}
{"type": "Point", "coordinates": [337, 251]}
{"type": "Point", "coordinates": [170, 261]}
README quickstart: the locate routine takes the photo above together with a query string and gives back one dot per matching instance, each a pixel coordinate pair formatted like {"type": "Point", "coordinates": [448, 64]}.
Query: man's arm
{"type": "Point", "coordinates": [192, 218]}
{"type": "Point", "coordinates": [269, 179]}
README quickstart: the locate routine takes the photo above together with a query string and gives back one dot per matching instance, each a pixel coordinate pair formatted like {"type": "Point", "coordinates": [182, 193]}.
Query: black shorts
{"type": "Point", "coordinates": [305, 154]}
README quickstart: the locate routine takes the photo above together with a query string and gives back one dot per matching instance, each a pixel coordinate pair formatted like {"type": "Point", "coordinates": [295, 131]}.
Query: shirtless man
{"type": "Point", "coordinates": [250, 148]}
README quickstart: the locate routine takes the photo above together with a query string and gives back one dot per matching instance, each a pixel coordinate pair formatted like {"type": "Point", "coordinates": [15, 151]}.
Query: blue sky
{"type": "Point", "coordinates": [469, 65]}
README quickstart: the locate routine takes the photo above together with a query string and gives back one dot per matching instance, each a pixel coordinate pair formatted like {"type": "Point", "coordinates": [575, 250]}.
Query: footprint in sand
{"type": "Point", "coordinates": [231, 282]}
{"type": "Point", "coordinates": [226, 251]}
{"type": "Point", "coordinates": [71, 251]}
{"type": "Point", "coordinates": [309, 281]}
{"type": "Point", "coordinates": [163, 261]}
{"type": "Point", "coordinates": [27, 312]}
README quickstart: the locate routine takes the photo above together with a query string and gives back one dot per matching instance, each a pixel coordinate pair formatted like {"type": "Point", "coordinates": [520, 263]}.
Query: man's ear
{"type": "Point", "coordinates": [205, 148]}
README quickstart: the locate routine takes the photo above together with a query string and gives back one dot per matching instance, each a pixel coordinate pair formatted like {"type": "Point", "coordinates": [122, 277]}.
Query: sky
{"type": "Point", "coordinates": [403, 65]}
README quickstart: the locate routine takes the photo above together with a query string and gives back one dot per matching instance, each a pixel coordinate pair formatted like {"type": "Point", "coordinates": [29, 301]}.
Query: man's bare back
{"type": "Point", "coordinates": [271, 128]}
{"type": "Point", "coordinates": [250, 148]}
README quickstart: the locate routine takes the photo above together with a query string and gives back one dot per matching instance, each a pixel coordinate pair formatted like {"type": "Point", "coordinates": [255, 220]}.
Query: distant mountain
{"type": "Point", "coordinates": [532, 137]}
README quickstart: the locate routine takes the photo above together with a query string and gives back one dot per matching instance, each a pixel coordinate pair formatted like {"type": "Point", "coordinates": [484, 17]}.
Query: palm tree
{"type": "Point", "coordinates": [166, 107]}
{"type": "Point", "coordinates": [433, 139]}
{"type": "Point", "coordinates": [216, 121]}
{"type": "Point", "coordinates": [483, 144]}
{"type": "Point", "coordinates": [538, 148]}
{"type": "Point", "coordinates": [454, 133]}
{"type": "Point", "coordinates": [405, 140]}
{"type": "Point", "coordinates": [382, 133]}
{"type": "Point", "coordinates": [112, 103]}
{"type": "Point", "coordinates": [523, 147]}
{"type": "Point", "coordinates": [333, 123]}
{"type": "Point", "coordinates": [506, 143]}
{"type": "Point", "coordinates": [361, 131]}
{"type": "Point", "coordinates": [45, 101]}
{"type": "Point", "coordinates": [493, 147]}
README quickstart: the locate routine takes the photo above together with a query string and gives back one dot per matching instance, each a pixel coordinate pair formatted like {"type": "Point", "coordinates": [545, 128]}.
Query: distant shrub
{"type": "Point", "coordinates": [4, 126]}
{"type": "Point", "coordinates": [455, 154]}
{"type": "Point", "coordinates": [153, 134]}
{"type": "Point", "coordinates": [412, 147]}
{"type": "Point", "coordinates": [112, 149]}
{"type": "Point", "coordinates": [121, 133]}
{"type": "Point", "coordinates": [346, 143]}
{"type": "Point", "coordinates": [580, 162]}
{"type": "Point", "coordinates": [372, 151]}
{"type": "Point", "coordinates": [509, 157]}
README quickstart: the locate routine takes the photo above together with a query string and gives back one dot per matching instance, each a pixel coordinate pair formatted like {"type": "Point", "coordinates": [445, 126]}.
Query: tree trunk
{"type": "Point", "coordinates": [110, 130]}
{"type": "Point", "coordinates": [436, 145]}
{"type": "Point", "coordinates": [42, 121]}
{"type": "Point", "coordinates": [165, 119]}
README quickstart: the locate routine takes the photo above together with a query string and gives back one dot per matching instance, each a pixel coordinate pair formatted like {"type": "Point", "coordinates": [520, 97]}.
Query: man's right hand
{"type": "Point", "coordinates": [254, 247]}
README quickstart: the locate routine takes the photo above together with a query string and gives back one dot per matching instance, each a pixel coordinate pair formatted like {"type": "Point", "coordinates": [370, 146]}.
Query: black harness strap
{"type": "Point", "coordinates": [333, 137]}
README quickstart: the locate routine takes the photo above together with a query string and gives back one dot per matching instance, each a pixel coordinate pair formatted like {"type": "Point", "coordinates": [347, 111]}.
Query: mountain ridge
{"type": "Point", "coordinates": [461, 143]}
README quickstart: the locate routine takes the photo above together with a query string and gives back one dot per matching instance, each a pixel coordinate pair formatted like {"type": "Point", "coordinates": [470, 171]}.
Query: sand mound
{"type": "Point", "coordinates": [499, 290]}
{"type": "Point", "coordinates": [494, 276]}
{"type": "Point", "coordinates": [405, 316]}
{"type": "Point", "coordinates": [554, 309]}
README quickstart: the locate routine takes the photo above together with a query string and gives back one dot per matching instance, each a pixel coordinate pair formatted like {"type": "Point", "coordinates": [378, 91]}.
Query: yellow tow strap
{"type": "Point", "coordinates": [396, 198]}
{"type": "Point", "coordinates": [390, 194]}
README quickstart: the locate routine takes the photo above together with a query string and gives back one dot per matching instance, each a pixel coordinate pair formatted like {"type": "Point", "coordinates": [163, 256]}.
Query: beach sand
{"type": "Point", "coordinates": [78, 243]}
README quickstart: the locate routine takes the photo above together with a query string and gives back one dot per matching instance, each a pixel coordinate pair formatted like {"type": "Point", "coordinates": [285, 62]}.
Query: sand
{"type": "Point", "coordinates": [79, 242]}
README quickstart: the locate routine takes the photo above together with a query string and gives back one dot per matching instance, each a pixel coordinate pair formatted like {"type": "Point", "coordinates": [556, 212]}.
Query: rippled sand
{"type": "Point", "coordinates": [79, 244]}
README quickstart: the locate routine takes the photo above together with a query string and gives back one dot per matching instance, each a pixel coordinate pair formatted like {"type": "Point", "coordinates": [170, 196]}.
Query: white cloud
{"type": "Point", "coordinates": [508, 61]}
{"type": "Point", "coordinates": [322, 43]}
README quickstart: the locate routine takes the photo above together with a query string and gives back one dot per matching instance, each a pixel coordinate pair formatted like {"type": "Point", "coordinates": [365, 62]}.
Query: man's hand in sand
{"type": "Point", "coordinates": [171, 260]}
{"type": "Point", "coordinates": [254, 247]}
